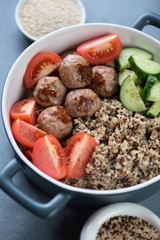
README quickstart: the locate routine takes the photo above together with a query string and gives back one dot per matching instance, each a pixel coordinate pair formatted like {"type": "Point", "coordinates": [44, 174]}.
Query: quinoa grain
{"type": "Point", "coordinates": [127, 227]}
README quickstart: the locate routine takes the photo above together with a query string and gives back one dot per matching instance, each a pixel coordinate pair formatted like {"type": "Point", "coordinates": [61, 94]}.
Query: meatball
{"type": "Point", "coordinates": [56, 121]}
{"type": "Point", "coordinates": [75, 71]}
{"type": "Point", "coordinates": [82, 102]}
{"type": "Point", "coordinates": [104, 81]}
{"type": "Point", "coordinates": [49, 91]}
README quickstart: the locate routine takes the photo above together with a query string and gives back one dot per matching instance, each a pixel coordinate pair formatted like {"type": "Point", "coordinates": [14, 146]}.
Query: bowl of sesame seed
{"type": "Point", "coordinates": [36, 19]}
{"type": "Point", "coordinates": [122, 221]}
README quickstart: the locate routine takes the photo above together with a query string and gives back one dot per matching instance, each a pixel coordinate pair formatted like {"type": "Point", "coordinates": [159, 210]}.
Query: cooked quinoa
{"type": "Point", "coordinates": [127, 227]}
{"type": "Point", "coordinates": [128, 151]}
{"type": "Point", "coordinates": [39, 18]}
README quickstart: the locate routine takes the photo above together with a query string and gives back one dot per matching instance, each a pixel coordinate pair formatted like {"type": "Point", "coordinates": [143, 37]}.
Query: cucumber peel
{"type": "Point", "coordinates": [144, 67]}
{"type": "Point", "coordinates": [154, 94]}
{"type": "Point", "coordinates": [151, 80]}
{"type": "Point", "coordinates": [154, 110]}
{"type": "Point", "coordinates": [122, 61]}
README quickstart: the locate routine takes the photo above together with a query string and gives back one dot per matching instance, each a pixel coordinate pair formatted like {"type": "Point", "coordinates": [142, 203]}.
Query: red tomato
{"type": "Point", "coordinates": [79, 151]}
{"type": "Point", "coordinates": [101, 50]}
{"type": "Point", "coordinates": [48, 156]}
{"type": "Point", "coordinates": [25, 133]}
{"type": "Point", "coordinates": [40, 66]}
{"type": "Point", "coordinates": [25, 110]}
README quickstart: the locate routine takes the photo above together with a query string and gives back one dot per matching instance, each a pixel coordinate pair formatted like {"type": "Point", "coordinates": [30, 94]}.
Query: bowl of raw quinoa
{"type": "Point", "coordinates": [125, 165]}
{"type": "Point", "coordinates": [35, 19]}
{"type": "Point", "coordinates": [122, 221]}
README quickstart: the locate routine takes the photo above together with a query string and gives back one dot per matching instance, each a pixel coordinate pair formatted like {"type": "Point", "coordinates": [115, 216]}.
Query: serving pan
{"type": "Point", "coordinates": [61, 193]}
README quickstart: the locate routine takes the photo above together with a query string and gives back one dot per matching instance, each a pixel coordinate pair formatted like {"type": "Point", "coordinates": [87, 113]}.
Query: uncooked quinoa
{"type": "Point", "coordinates": [41, 17]}
{"type": "Point", "coordinates": [128, 151]}
{"type": "Point", "coordinates": [127, 227]}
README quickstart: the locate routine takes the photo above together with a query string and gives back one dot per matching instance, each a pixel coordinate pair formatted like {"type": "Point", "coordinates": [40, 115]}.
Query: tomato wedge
{"type": "Point", "coordinates": [25, 110]}
{"type": "Point", "coordinates": [79, 151]}
{"type": "Point", "coordinates": [48, 155]}
{"type": "Point", "coordinates": [101, 50]}
{"type": "Point", "coordinates": [25, 133]}
{"type": "Point", "coordinates": [40, 66]}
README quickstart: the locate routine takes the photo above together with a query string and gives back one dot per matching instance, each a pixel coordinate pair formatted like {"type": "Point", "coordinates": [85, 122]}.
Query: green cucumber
{"type": "Point", "coordinates": [139, 89]}
{"type": "Point", "coordinates": [144, 67]}
{"type": "Point", "coordinates": [130, 97]}
{"type": "Point", "coordinates": [151, 80]}
{"type": "Point", "coordinates": [125, 73]}
{"type": "Point", "coordinates": [154, 94]}
{"type": "Point", "coordinates": [122, 61]}
{"type": "Point", "coordinates": [154, 110]}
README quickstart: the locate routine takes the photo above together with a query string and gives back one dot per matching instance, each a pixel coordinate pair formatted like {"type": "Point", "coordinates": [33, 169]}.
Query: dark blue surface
{"type": "Point", "coordinates": [16, 223]}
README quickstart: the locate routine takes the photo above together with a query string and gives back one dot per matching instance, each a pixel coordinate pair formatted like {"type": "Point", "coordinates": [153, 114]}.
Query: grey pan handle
{"type": "Point", "coordinates": [147, 18]}
{"type": "Point", "coordinates": [44, 210]}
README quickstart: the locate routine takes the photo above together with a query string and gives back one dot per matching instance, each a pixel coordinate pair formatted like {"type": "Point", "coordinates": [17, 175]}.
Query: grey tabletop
{"type": "Point", "coordinates": [16, 223]}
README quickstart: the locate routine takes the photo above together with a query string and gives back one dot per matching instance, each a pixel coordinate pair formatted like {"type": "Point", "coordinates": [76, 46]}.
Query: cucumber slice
{"type": "Point", "coordinates": [122, 61]}
{"type": "Point", "coordinates": [154, 94]}
{"type": "Point", "coordinates": [139, 89]}
{"type": "Point", "coordinates": [151, 80]}
{"type": "Point", "coordinates": [154, 110]}
{"type": "Point", "coordinates": [144, 67]}
{"type": "Point", "coordinates": [130, 97]}
{"type": "Point", "coordinates": [125, 73]}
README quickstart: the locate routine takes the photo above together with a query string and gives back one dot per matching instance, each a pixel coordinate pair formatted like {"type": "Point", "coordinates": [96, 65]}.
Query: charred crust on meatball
{"type": "Point", "coordinates": [61, 114]}
{"type": "Point", "coordinates": [86, 73]}
{"type": "Point", "coordinates": [82, 102]}
{"type": "Point", "coordinates": [104, 81]}
{"type": "Point", "coordinates": [49, 91]}
{"type": "Point", "coordinates": [55, 120]}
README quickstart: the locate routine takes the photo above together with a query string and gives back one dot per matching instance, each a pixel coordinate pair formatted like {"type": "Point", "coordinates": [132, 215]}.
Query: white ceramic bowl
{"type": "Point", "coordinates": [19, 24]}
{"type": "Point", "coordinates": [94, 223]}
{"type": "Point", "coordinates": [58, 42]}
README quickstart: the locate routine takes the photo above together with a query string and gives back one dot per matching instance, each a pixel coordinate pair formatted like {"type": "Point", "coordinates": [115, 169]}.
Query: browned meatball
{"type": "Point", "coordinates": [56, 121]}
{"type": "Point", "coordinates": [104, 81]}
{"type": "Point", "coordinates": [49, 91]}
{"type": "Point", "coordinates": [82, 102]}
{"type": "Point", "coordinates": [75, 72]}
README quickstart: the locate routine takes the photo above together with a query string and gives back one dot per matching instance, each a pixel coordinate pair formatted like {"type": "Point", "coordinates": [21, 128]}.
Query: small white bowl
{"type": "Point", "coordinates": [94, 223]}
{"type": "Point", "coordinates": [19, 24]}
